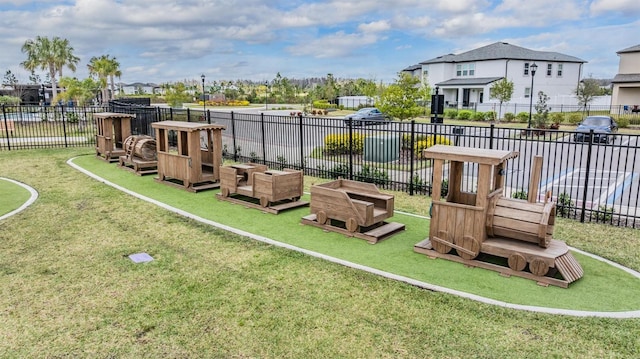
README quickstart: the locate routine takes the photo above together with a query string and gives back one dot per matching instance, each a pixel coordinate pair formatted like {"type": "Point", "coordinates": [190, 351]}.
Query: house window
{"type": "Point", "coordinates": [549, 69]}
{"type": "Point", "coordinates": [526, 69]}
{"type": "Point", "coordinates": [527, 92]}
{"type": "Point", "coordinates": [559, 70]}
{"type": "Point", "coordinates": [465, 70]}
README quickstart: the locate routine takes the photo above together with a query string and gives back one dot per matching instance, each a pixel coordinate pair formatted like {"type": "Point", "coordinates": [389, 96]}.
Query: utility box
{"type": "Point", "coordinates": [383, 148]}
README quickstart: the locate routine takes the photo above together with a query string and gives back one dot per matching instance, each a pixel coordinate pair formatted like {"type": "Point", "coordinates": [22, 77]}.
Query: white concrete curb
{"type": "Point", "coordinates": [34, 196]}
{"type": "Point", "coordinates": [417, 283]}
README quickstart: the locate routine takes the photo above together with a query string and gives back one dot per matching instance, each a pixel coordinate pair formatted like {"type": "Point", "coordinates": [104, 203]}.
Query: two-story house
{"type": "Point", "coordinates": [626, 84]}
{"type": "Point", "coordinates": [465, 79]}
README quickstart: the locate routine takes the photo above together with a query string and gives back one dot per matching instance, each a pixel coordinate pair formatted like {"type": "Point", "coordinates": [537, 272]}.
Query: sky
{"type": "Point", "coordinates": [162, 41]}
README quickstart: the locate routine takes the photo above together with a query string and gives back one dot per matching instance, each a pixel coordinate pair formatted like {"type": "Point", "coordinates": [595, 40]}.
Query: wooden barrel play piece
{"type": "Point", "coordinates": [521, 220]}
{"type": "Point", "coordinates": [141, 146]}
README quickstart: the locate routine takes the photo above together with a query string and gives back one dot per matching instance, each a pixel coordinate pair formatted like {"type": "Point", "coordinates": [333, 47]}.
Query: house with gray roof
{"type": "Point", "coordinates": [465, 79]}
{"type": "Point", "coordinates": [626, 84]}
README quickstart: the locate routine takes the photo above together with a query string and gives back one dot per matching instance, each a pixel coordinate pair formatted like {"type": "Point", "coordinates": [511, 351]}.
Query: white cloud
{"type": "Point", "coordinates": [628, 7]}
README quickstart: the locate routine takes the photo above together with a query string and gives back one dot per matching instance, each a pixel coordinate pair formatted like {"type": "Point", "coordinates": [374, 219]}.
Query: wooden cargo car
{"type": "Point", "coordinates": [254, 185]}
{"type": "Point", "coordinates": [354, 208]}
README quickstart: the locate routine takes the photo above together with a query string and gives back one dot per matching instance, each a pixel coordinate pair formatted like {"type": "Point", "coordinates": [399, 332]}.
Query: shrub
{"type": "Point", "coordinates": [490, 116]}
{"type": "Point", "coordinates": [464, 115]}
{"type": "Point", "coordinates": [406, 139]}
{"type": "Point", "coordinates": [427, 142]}
{"type": "Point", "coordinates": [556, 117]}
{"type": "Point", "coordinates": [623, 122]}
{"type": "Point", "coordinates": [509, 117]}
{"type": "Point", "coordinates": [522, 194]}
{"type": "Point", "coordinates": [522, 116]}
{"type": "Point", "coordinates": [450, 113]}
{"type": "Point", "coordinates": [478, 116]}
{"type": "Point", "coordinates": [564, 205]}
{"type": "Point", "coordinates": [604, 213]}
{"type": "Point", "coordinates": [372, 175]}
{"type": "Point", "coordinates": [574, 118]}
{"type": "Point", "coordinates": [339, 171]}
{"type": "Point", "coordinates": [321, 104]}
{"type": "Point", "coordinates": [338, 144]}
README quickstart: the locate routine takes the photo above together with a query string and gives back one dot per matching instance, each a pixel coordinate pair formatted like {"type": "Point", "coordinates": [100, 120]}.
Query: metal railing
{"type": "Point", "coordinates": [594, 179]}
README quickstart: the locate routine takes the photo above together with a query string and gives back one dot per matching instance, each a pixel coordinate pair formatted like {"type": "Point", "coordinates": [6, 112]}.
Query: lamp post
{"type": "Point", "coordinates": [266, 94]}
{"type": "Point", "coordinates": [204, 100]}
{"type": "Point", "coordinates": [532, 70]}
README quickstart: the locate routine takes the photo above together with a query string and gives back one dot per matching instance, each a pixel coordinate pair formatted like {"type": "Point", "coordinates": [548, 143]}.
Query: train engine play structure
{"type": "Point", "coordinates": [488, 230]}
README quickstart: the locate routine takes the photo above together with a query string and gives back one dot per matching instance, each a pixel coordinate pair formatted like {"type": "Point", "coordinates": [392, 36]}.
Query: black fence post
{"type": "Point", "coordinates": [302, 162]}
{"type": "Point", "coordinates": [412, 156]}
{"type": "Point", "coordinates": [586, 177]}
{"type": "Point", "coordinates": [64, 126]}
{"type": "Point", "coordinates": [208, 116]}
{"type": "Point", "coordinates": [171, 113]}
{"type": "Point", "coordinates": [6, 126]}
{"type": "Point", "coordinates": [233, 135]}
{"type": "Point", "coordinates": [188, 114]}
{"type": "Point", "coordinates": [491, 135]}
{"type": "Point", "coordinates": [264, 142]}
{"type": "Point", "coordinates": [350, 150]}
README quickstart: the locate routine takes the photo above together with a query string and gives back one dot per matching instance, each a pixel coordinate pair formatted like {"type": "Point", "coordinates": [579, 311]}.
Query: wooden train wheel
{"type": "Point", "coordinates": [517, 262]}
{"type": "Point", "coordinates": [224, 191]}
{"type": "Point", "coordinates": [470, 247]}
{"type": "Point", "coordinates": [439, 243]}
{"type": "Point", "coordinates": [321, 217]}
{"type": "Point", "coordinates": [538, 267]}
{"type": "Point", "coordinates": [264, 201]}
{"type": "Point", "coordinates": [352, 225]}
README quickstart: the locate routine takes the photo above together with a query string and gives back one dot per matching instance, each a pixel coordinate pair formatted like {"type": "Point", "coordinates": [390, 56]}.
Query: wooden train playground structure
{"type": "Point", "coordinates": [141, 155]}
{"type": "Point", "coordinates": [112, 130]}
{"type": "Point", "coordinates": [478, 228]}
{"type": "Point", "coordinates": [194, 162]}
{"type": "Point", "coordinates": [353, 208]}
{"type": "Point", "coordinates": [485, 229]}
{"type": "Point", "coordinates": [256, 186]}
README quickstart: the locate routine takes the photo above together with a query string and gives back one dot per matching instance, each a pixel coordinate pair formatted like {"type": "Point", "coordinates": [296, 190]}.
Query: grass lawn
{"type": "Point", "coordinates": [69, 290]}
{"type": "Point", "coordinates": [12, 195]}
{"type": "Point", "coordinates": [596, 291]}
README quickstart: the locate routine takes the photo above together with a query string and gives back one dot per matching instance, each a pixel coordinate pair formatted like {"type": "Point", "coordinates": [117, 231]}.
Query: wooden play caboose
{"type": "Point", "coordinates": [484, 228]}
{"type": "Point", "coordinates": [189, 154]}
{"type": "Point", "coordinates": [112, 129]}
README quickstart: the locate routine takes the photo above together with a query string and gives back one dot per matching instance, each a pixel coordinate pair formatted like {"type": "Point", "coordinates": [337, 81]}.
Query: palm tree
{"type": "Point", "coordinates": [114, 71]}
{"type": "Point", "coordinates": [51, 55]}
{"type": "Point", "coordinates": [100, 66]}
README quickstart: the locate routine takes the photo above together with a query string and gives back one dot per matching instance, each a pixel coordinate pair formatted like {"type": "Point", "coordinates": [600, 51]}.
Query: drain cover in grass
{"type": "Point", "coordinates": [140, 257]}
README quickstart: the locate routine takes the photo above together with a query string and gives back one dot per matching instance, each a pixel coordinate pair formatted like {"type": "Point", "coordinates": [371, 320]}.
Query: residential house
{"type": "Point", "coordinates": [465, 79]}
{"type": "Point", "coordinates": [626, 84]}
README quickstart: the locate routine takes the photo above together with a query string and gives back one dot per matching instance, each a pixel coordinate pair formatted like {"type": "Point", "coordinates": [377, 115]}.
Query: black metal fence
{"type": "Point", "coordinates": [595, 179]}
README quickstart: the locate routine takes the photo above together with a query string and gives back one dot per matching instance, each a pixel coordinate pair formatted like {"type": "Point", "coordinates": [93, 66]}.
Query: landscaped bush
{"type": "Point", "coordinates": [338, 144]}
{"type": "Point", "coordinates": [623, 122]}
{"type": "Point", "coordinates": [490, 116]}
{"type": "Point", "coordinates": [522, 116]}
{"type": "Point", "coordinates": [556, 117]}
{"type": "Point", "coordinates": [372, 175]}
{"type": "Point", "coordinates": [427, 142]}
{"type": "Point", "coordinates": [321, 104]}
{"type": "Point", "coordinates": [450, 113]}
{"type": "Point", "coordinates": [574, 118]}
{"type": "Point", "coordinates": [9, 100]}
{"type": "Point", "coordinates": [478, 116]}
{"type": "Point", "coordinates": [509, 117]}
{"type": "Point", "coordinates": [464, 115]}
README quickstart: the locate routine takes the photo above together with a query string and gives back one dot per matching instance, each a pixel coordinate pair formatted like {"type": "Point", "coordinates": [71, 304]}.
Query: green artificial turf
{"type": "Point", "coordinates": [603, 287]}
{"type": "Point", "coordinates": [12, 196]}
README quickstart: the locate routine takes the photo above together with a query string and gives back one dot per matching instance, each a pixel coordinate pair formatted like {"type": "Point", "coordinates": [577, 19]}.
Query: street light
{"type": "Point", "coordinates": [266, 94]}
{"type": "Point", "coordinates": [204, 99]}
{"type": "Point", "coordinates": [532, 69]}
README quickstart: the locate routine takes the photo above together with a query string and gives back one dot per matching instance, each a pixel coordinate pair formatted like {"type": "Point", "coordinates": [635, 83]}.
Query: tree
{"type": "Point", "coordinates": [11, 80]}
{"type": "Point", "coordinates": [399, 99]}
{"type": "Point", "coordinates": [424, 92]}
{"type": "Point", "coordinates": [106, 68]}
{"type": "Point", "coordinates": [81, 92]}
{"type": "Point", "coordinates": [587, 90]}
{"type": "Point", "coordinates": [542, 110]}
{"type": "Point", "coordinates": [176, 95]}
{"type": "Point", "coordinates": [51, 55]}
{"type": "Point", "coordinates": [502, 91]}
